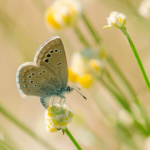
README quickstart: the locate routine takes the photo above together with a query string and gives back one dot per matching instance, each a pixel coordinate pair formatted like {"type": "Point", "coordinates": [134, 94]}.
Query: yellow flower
{"type": "Point", "coordinates": [72, 76]}
{"type": "Point", "coordinates": [62, 13]}
{"type": "Point", "coordinates": [85, 80]}
{"type": "Point", "coordinates": [95, 65]}
{"type": "Point", "coordinates": [116, 19]}
{"type": "Point", "coordinates": [57, 117]}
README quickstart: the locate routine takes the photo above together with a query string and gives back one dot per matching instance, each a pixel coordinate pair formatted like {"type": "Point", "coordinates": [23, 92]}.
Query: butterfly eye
{"type": "Point", "coordinates": [48, 55]}
{"type": "Point", "coordinates": [56, 50]}
{"type": "Point", "coordinates": [29, 76]}
{"type": "Point", "coordinates": [68, 88]}
{"type": "Point", "coordinates": [46, 60]}
{"type": "Point", "coordinates": [51, 51]}
{"type": "Point", "coordinates": [32, 74]}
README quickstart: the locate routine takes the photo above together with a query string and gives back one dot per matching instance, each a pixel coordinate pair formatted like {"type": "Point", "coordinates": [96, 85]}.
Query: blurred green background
{"type": "Point", "coordinates": [23, 30]}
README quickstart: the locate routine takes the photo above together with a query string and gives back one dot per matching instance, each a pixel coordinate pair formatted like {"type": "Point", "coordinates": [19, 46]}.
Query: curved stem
{"type": "Point", "coordinates": [123, 29]}
{"type": "Point", "coordinates": [81, 37]}
{"type": "Point", "coordinates": [72, 138]}
{"type": "Point", "coordinates": [126, 106]}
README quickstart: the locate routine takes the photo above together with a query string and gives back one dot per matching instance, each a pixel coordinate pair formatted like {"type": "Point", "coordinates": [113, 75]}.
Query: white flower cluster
{"type": "Point", "coordinates": [62, 13]}
{"type": "Point", "coordinates": [57, 117]}
{"type": "Point", "coordinates": [116, 19]}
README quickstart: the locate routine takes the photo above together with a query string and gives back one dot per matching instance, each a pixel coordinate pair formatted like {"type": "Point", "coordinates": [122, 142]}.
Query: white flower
{"type": "Point", "coordinates": [144, 8]}
{"type": "Point", "coordinates": [62, 13]}
{"type": "Point", "coordinates": [57, 117]}
{"type": "Point", "coordinates": [116, 19]}
{"type": "Point", "coordinates": [78, 64]}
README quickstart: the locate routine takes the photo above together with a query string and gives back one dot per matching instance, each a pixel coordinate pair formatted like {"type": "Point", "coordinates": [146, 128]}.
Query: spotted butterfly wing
{"type": "Point", "coordinates": [48, 74]}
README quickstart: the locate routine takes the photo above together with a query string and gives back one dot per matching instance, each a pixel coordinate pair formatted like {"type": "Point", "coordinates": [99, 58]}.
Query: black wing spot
{"type": "Point", "coordinates": [31, 81]}
{"type": "Point", "coordinates": [46, 60]}
{"type": "Point", "coordinates": [48, 55]}
{"type": "Point", "coordinates": [60, 51]}
{"type": "Point", "coordinates": [51, 51]}
{"type": "Point", "coordinates": [40, 73]}
{"type": "Point", "coordinates": [32, 74]}
{"type": "Point", "coordinates": [51, 78]}
{"type": "Point", "coordinates": [59, 64]}
{"type": "Point", "coordinates": [56, 50]}
{"type": "Point", "coordinates": [34, 85]}
{"type": "Point", "coordinates": [43, 71]}
{"type": "Point", "coordinates": [29, 76]}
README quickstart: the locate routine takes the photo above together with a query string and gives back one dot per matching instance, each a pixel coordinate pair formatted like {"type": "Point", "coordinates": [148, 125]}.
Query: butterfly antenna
{"type": "Point", "coordinates": [80, 94]}
{"type": "Point", "coordinates": [76, 87]}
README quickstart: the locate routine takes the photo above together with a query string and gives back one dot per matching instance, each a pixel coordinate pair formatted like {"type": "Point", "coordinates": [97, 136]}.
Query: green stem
{"type": "Point", "coordinates": [91, 29]}
{"type": "Point", "coordinates": [2, 147]}
{"type": "Point", "coordinates": [120, 99]}
{"type": "Point", "coordinates": [6, 145]}
{"type": "Point", "coordinates": [72, 138]}
{"type": "Point", "coordinates": [24, 128]}
{"type": "Point", "coordinates": [123, 29]}
{"type": "Point", "coordinates": [117, 71]}
{"type": "Point", "coordinates": [126, 106]}
{"type": "Point", "coordinates": [81, 37]}
{"type": "Point", "coordinates": [111, 80]}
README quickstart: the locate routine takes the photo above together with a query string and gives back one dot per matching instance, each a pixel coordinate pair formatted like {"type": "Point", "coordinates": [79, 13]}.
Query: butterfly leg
{"type": "Point", "coordinates": [53, 100]}
{"type": "Point", "coordinates": [44, 102]}
{"type": "Point", "coordinates": [64, 100]}
{"type": "Point", "coordinates": [62, 97]}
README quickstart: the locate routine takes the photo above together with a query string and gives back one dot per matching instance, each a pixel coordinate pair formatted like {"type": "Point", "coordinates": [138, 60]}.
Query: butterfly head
{"type": "Point", "coordinates": [71, 88]}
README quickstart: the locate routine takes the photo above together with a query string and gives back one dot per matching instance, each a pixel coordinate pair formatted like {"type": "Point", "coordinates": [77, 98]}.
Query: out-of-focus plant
{"type": "Point", "coordinates": [85, 66]}
{"type": "Point", "coordinates": [62, 13]}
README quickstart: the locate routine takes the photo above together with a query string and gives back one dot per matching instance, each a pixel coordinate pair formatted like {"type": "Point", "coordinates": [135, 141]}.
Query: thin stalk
{"type": "Point", "coordinates": [123, 29]}
{"type": "Point", "coordinates": [2, 147]}
{"type": "Point", "coordinates": [129, 89]}
{"type": "Point", "coordinates": [112, 63]}
{"type": "Point", "coordinates": [24, 128]}
{"type": "Point", "coordinates": [6, 145]}
{"type": "Point", "coordinates": [126, 106]}
{"type": "Point", "coordinates": [91, 29]}
{"type": "Point", "coordinates": [108, 75]}
{"type": "Point", "coordinates": [120, 99]}
{"type": "Point", "coordinates": [72, 138]}
{"type": "Point", "coordinates": [81, 37]}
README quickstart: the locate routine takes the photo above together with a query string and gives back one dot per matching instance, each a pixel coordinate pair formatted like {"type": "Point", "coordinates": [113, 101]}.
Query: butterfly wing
{"type": "Point", "coordinates": [48, 74]}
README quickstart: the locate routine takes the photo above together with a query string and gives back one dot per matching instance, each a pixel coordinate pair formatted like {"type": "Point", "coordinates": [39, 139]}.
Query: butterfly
{"type": "Point", "coordinates": [48, 75]}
